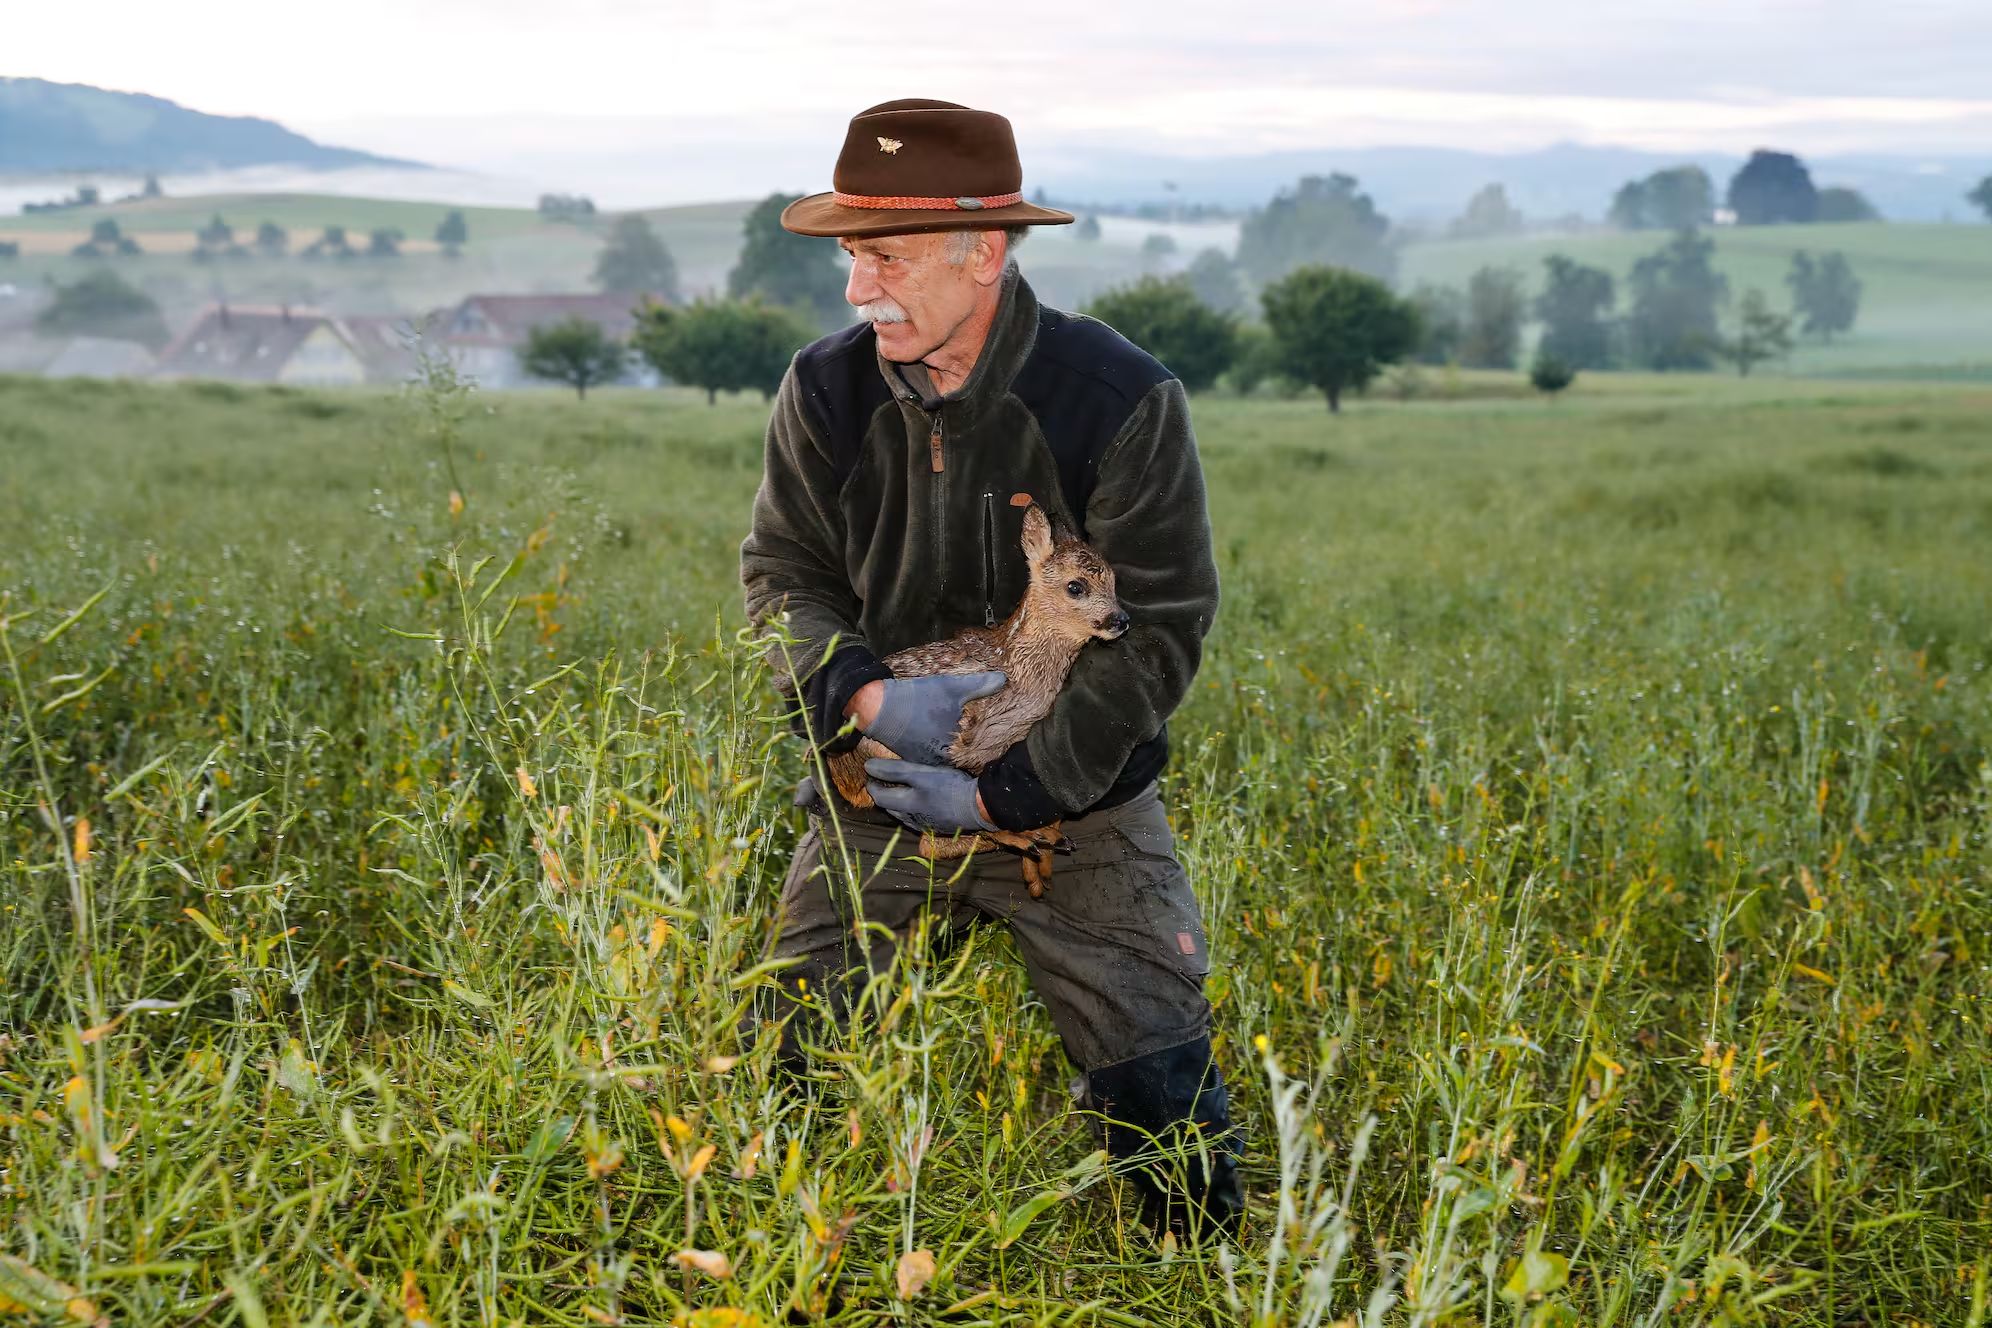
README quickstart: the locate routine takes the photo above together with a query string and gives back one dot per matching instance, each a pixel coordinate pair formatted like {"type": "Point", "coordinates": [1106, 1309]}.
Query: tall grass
{"type": "Point", "coordinates": [1589, 805]}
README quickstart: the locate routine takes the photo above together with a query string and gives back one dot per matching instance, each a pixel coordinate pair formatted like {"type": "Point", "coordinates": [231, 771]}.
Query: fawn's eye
{"type": "Point", "coordinates": [1075, 588]}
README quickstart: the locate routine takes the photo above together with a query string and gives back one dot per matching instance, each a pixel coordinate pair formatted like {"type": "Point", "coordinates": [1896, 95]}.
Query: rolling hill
{"type": "Point", "coordinates": [59, 127]}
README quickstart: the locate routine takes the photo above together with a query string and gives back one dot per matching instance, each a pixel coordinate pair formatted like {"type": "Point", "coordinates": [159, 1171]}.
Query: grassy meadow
{"type": "Point", "coordinates": [1588, 799]}
{"type": "Point", "coordinates": [1924, 312]}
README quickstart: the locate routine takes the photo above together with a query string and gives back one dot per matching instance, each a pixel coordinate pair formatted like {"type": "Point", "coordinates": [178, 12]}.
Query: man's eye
{"type": "Point", "coordinates": [1075, 588]}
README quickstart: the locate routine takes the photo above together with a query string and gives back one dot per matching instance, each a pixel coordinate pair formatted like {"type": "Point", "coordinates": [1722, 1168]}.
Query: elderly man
{"type": "Point", "coordinates": [900, 458]}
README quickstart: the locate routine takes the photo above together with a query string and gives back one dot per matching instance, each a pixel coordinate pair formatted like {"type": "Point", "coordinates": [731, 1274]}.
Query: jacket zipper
{"type": "Point", "coordinates": [935, 458]}
{"type": "Point", "coordinates": [988, 559]}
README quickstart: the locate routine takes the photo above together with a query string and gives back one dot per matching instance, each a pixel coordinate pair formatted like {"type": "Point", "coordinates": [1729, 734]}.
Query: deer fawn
{"type": "Point", "coordinates": [1069, 601]}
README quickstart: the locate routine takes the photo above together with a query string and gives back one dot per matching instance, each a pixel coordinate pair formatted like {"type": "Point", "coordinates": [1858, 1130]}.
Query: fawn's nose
{"type": "Point", "coordinates": [1117, 624]}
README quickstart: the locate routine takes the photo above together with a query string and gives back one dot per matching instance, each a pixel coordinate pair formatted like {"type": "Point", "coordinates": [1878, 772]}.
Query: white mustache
{"type": "Point", "coordinates": [881, 311]}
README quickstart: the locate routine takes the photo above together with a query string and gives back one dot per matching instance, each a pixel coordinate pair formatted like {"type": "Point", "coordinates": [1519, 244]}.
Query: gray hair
{"type": "Point", "coordinates": [962, 243]}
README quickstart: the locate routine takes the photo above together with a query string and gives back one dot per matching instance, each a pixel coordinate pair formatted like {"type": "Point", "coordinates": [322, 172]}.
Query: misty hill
{"type": "Point", "coordinates": [61, 127]}
{"type": "Point", "coordinates": [1433, 184]}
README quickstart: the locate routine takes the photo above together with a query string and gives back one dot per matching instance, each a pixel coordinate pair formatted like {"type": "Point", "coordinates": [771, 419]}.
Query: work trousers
{"type": "Point", "coordinates": [1115, 949]}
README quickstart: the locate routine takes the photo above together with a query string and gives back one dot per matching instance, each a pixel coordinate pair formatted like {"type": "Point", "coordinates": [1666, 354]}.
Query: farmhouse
{"type": "Point", "coordinates": [485, 333]}
{"type": "Point", "coordinates": [264, 345]}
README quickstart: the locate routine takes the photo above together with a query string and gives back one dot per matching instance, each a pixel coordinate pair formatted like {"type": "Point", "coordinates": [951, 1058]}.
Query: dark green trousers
{"type": "Point", "coordinates": [1115, 949]}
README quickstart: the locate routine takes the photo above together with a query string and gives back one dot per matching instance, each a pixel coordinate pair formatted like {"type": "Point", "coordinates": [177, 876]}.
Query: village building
{"type": "Point", "coordinates": [301, 347]}
{"type": "Point", "coordinates": [484, 334]}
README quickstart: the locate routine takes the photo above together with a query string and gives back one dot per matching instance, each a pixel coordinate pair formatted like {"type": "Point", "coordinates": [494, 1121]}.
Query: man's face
{"type": "Point", "coordinates": [906, 288]}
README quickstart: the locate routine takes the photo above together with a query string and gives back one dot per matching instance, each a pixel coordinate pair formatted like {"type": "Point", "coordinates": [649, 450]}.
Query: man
{"type": "Point", "coordinates": [900, 458]}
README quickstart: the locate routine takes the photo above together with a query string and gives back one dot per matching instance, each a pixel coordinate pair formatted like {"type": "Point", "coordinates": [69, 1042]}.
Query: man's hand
{"type": "Point", "coordinates": [939, 798]}
{"type": "Point", "coordinates": [917, 717]}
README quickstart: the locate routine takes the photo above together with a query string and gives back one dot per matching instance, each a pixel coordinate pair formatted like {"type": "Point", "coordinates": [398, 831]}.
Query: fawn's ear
{"type": "Point", "coordinates": [1037, 536]}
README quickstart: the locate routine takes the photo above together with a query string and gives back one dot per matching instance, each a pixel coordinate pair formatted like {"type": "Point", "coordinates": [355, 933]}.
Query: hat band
{"type": "Point", "coordinates": [911, 202]}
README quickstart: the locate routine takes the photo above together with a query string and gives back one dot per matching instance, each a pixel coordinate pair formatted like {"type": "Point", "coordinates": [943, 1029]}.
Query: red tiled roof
{"type": "Point", "coordinates": [241, 341]}
{"type": "Point", "coordinates": [509, 318]}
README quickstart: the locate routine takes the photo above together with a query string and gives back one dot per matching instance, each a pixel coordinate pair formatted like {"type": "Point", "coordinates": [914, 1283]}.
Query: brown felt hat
{"type": "Point", "coordinates": [920, 165]}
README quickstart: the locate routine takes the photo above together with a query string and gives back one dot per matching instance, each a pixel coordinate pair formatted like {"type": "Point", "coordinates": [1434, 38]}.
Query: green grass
{"type": "Point", "coordinates": [1926, 297]}
{"type": "Point", "coordinates": [1588, 801]}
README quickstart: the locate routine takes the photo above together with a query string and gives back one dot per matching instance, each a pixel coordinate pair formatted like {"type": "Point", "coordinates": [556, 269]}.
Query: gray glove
{"type": "Point", "coordinates": [939, 798]}
{"type": "Point", "coordinates": [917, 717]}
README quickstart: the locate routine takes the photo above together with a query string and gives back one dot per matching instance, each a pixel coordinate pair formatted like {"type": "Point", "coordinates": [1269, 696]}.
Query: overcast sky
{"type": "Point", "coordinates": [471, 82]}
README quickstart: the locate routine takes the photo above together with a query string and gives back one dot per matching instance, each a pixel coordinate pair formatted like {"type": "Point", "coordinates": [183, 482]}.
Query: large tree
{"type": "Point", "coordinates": [801, 271]}
{"type": "Point", "coordinates": [1837, 202]}
{"type": "Point", "coordinates": [722, 345]}
{"type": "Point", "coordinates": [452, 232]}
{"type": "Point", "coordinates": [1488, 212]}
{"type": "Point", "coordinates": [1165, 318]}
{"type": "Point", "coordinates": [103, 304]}
{"type": "Point", "coordinates": [1981, 197]}
{"type": "Point", "coordinates": [1762, 333]}
{"type": "Point", "coordinates": [1773, 188]}
{"type": "Point", "coordinates": [1677, 198]}
{"type": "Point", "coordinates": [1441, 322]}
{"type": "Point", "coordinates": [634, 260]}
{"type": "Point", "coordinates": [1825, 293]}
{"type": "Point", "coordinates": [1214, 277]}
{"type": "Point", "coordinates": [1325, 220]}
{"type": "Point", "coordinates": [1335, 329]}
{"type": "Point", "coordinates": [1676, 293]}
{"type": "Point", "coordinates": [574, 351]}
{"type": "Point", "coordinates": [1492, 335]}
{"type": "Point", "coordinates": [1575, 309]}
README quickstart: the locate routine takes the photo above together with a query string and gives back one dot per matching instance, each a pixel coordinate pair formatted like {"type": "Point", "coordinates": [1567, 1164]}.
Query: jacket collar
{"type": "Point", "coordinates": [1011, 338]}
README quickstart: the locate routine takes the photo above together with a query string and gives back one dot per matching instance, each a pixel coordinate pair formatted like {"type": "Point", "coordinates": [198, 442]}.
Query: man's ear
{"type": "Point", "coordinates": [991, 257]}
{"type": "Point", "coordinates": [1037, 537]}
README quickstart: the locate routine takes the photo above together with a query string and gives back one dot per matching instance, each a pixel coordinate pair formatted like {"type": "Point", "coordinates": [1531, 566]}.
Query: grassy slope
{"type": "Point", "coordinates": [1593, 791]}
{"type": "Point", "coordinates": [1927, 297]}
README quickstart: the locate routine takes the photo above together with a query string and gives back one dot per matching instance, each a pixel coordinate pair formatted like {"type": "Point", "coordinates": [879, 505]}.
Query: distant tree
{"type": "Point", "coordinates": [1762, 333]}
{"type": "Point", "coordinates": [799, 271]}
{"type": "Point", "coordinates": [453, 232]}
{"type": "Point", "coordinates": [217, 234]}
{"type": "Point", "coordinates": [1839, 203]}
{"type": "Point", "coordinates": [1087, 228]}
{"type": "Point", "coordinates": [566, 207]}
{"type": "Point", "coordinates": [1678, 198]}
{"type": "Point", "coordinates": [10, 248]}
{"type": "Point", "coordinates": [1825, 294]}
{"type": "Point", "coordinates": [1336, 329]}
{"type": "Point", "coordinates": [1165, 318]}
{"type": "Point", "coordinates": [106, 241]}
{"type": "Point", "coordinates": [1324, 220]}
{"type": "Point", "coordinates": [1488, 212]}
{"type": "Point", "coordinates": [1773, 188]}
{"type": "Point", "coordinates": [88, 196]}
{"type": "Point", "coordinates": [384, 242]}
{"type": "Point", "coordinates": [635, 260]}
{"type": "Point", "coordinates": [103, 304]}
{"type": "Point", "coordinates": [1441, 322]}
{"type": "Point", "coordinates": [722, 345]}
{"type": "Point", "coordinates": [152, 189]}
{"type": "Point", "coordinates": [1214, 277]}
{"type": "Point", "coordinates": [574, 351]}
{"type": "Point", "coordinates": [1492, 335]}
{"type": "Point", "coordinates": [1575, 309]}
{"type": "Point", "coordinates": [1548, 374]}
{"type": "Point", "coordinates": [1156, 251]}
{"type": "Point", "coordinates": [1676, 292]}
{"type": "Point", "coordinates": [1981, 197]}
{"type": "Point", "coordinates": [332, 244]}
{"type": "Point", "coordinates": [272, 240]}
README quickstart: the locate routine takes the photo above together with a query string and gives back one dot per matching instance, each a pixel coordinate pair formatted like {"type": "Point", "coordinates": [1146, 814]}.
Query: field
{"type": "Point", "coordinates": [1589, 802]}
{"type": "Point", "coordinates": [1926, 305]}
{"type": "Point", "coordinates": [510, 249]}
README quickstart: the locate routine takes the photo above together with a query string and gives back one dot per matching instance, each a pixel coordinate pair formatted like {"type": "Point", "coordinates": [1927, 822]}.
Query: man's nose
{"type": "Point", "coordinates": [861, 287]}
